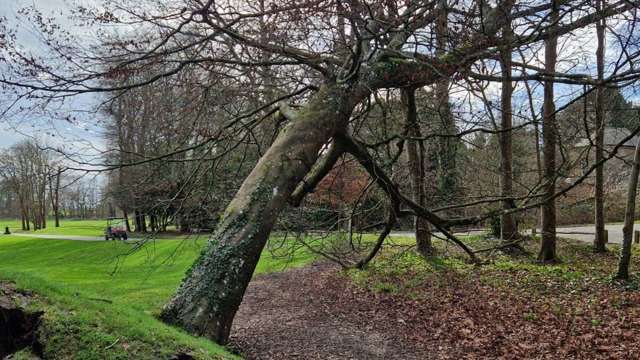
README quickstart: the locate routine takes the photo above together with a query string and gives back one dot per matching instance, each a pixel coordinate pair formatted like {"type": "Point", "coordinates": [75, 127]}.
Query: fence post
{"type": "Point", "coordinates": [533, 232]}
{"type": "Point", "coordinates": [606, 236]}
{"type": "Point", "coordinates": [6, 231]}
{"type": "Point", "coordinates": [637, 236]}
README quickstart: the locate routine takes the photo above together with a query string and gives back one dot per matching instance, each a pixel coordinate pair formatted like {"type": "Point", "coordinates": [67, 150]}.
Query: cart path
{"type": "Point", "coordinates": [586, 233]}
{"type": "Point", "coordinates": [583, 233]}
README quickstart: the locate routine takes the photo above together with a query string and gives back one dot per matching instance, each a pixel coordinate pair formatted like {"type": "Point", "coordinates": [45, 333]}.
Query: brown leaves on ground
{"type": "Point", "coordinates": [508, 311]}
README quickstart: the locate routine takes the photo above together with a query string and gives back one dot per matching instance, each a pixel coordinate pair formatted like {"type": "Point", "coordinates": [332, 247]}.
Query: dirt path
{"type": "Point", "coordinates": [302, 314]}
{"type": "Point", "coordinates": [317, 313]}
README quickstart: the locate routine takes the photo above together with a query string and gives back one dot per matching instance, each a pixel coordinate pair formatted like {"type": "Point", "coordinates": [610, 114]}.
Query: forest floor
{"type": "Point", "coordinates": [405, 307]}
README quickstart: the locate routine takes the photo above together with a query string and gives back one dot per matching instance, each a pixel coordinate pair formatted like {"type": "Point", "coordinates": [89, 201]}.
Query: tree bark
{"type": "Point", "coordinates": [154, 222]}
{"type": "Point", "coordinates": [54, 194]}
{"type": "Point", "coordinates": [126, 220]}
{"type": "Point", "coordinates": [416, 168]}
{"type": "Point", "coordinates": [548, 247]}
{"type": "Point", "coordinates": [209, 296]}
{"type": "Point", "coordinates": [447, 153]}
{"type": "Point", "coordinates": [508, 226]}
{"type": "Point", "coordinates": [141, 221]}
{"type": "Point", "coordinates": [317, 173]}
{"type": "Point", "coordinates": [599, 241]}
{"type": "Point", "coordinates": [629, 217]}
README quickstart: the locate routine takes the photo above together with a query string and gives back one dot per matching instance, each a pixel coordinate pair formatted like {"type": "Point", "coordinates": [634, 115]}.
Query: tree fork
{"type": "Point", "coordinates": [319, 171]}
{"type": "Point", "coordinates": [209, 296]}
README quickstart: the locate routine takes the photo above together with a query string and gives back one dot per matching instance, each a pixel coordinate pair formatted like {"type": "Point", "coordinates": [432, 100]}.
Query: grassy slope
{"type": "Point", "coordinates": [101, 298]}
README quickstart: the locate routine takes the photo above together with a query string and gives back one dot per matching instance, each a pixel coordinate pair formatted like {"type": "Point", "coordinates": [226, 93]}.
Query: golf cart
{"type": "Point", "coordinates": [116, 229]}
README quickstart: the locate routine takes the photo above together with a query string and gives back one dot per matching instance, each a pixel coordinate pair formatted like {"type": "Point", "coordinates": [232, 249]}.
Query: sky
{"type": "Point", "coordinates": [86, 129]}
{"type": "Point", "coordinates": [47, 129]}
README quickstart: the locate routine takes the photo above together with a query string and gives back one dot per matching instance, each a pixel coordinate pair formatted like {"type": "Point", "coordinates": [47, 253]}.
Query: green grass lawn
{"type": "Point", "coordinates": [67, 227]}
{"type": "Point", "coordinates": [13, 224]}
{"type": "Point", "coordinates": [100, 293]}
{"type": "Point", "coordinates": [94, 227]}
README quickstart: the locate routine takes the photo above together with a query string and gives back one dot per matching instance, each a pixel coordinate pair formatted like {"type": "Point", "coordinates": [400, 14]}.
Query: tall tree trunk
{"type": "Point", "coordinates": [43, 202]}
{"type": "Point", "coordinates": [599, 241]}
{"type": "Point", "coordinates": [56, 195]}
{"type": "Point", "coordinates": [448, 145]}
{"type": "Point", "coordinates": [209, 296]}
{"type": "Point", "coordinates": [416, 168]}
{"type": "Point", "coordinates": [143, 221]}
{"type": "Point", "coordinates": [23, 218]}
{"type": "Point", "coordinates": [549, 135]}
{"type": "Point", "coordinates": [629, 217]}
{"type": "Point", "coordinates": [154, 222]}
{"type": "Point", "coordinates": [509, 228]}
{"type": "Point", "coordinates": [138, 220]}
{"type": "Point", "coordinates": [125, 214]}
{"type": "Point", "coordinates": [25, 212]}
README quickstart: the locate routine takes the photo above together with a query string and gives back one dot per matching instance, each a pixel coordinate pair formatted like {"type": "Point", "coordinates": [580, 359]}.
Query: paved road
{"type": "Point", "coordinates": [437, 234]}
{"type": "Point", "coordinates": [586, 233]}
{"type": "Point", "coordinates": [583, 233]}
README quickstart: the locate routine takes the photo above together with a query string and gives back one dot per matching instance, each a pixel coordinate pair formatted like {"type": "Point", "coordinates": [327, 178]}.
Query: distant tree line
{"type": "Point", "coordinates": [34, 187]}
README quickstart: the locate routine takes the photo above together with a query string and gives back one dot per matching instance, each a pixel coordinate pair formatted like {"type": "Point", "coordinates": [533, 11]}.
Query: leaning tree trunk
{"type": "Point", "coordinates": [599, 241]}
{"type": "Point", "coordinates": [210, 295]}
{"type": "Point", "coordinates": [549, 136]}
{"type": "Point", "coordinates": [629, 217]}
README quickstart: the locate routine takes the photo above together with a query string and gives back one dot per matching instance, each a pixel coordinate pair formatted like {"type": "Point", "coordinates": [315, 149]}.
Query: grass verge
{"type": "Point", "coordinates": [101, 298]}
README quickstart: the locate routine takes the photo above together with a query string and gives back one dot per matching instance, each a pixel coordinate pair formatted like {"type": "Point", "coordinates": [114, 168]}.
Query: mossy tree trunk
{"type": "Point", "coordinates": [209, 296]}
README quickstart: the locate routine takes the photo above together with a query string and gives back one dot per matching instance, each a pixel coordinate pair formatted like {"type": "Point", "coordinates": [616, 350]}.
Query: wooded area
{"type": "Point", "coordinates": [332, 123]}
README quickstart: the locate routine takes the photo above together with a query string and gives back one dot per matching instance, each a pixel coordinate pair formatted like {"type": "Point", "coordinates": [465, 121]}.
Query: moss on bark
{"type": "Point", "coordinates": [212, 291]}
